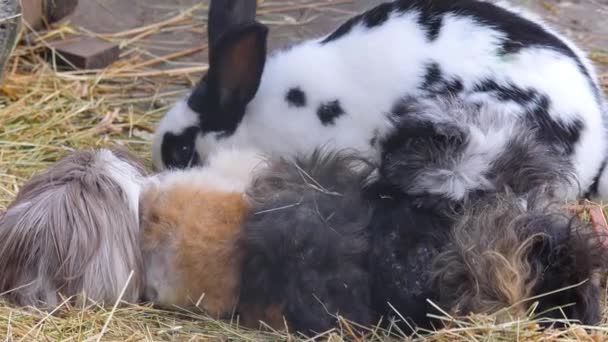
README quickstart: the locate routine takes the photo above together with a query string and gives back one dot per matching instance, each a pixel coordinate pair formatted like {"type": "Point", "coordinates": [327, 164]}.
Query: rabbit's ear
{"type": "Point", "coordinates": [225, 14]}
{"type": "Point", "coordinates": [236, 66]}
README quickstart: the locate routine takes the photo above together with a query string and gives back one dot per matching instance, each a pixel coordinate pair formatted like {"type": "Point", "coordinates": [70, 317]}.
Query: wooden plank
{"type": "Point", "coordinates": [86, 53]}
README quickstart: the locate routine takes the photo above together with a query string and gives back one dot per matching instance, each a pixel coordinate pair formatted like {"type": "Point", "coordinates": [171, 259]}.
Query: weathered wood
{"type": "Point", "coordinates": [86, 53]}
{"type": "Point", "coordinates": [38, 12]}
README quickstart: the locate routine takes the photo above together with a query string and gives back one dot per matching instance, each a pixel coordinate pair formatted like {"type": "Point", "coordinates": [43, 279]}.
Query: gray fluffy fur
{"type": "Point", "coordinates": [73, 229]}
{"type": "Point", "coordinates": [446, 148]}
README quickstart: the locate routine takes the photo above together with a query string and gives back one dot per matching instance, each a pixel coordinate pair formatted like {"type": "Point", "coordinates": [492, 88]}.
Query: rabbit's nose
{"type": "Point", "coordinates": [150, 294]}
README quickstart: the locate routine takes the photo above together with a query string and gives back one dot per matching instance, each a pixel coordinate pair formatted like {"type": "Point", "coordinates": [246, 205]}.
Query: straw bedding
{"type": "Point", "coordinates": [46, 112]}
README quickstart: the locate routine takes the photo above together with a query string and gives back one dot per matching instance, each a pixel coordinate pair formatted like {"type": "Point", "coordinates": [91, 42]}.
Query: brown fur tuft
{"type": "Point", "coordinates": [189, 239]}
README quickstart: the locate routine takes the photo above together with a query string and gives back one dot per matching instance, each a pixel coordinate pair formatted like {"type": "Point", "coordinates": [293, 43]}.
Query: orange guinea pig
{"type": "Point", "coordinates": [191, 223]}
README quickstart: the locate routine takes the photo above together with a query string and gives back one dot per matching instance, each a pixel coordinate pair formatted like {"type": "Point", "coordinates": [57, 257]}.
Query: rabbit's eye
{"type": "Point", "coordinates": [183, 156]}
{"type": "Point", "coordinates": [185, 150]}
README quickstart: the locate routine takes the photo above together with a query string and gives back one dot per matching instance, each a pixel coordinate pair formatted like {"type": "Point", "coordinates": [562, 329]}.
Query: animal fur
{"type": "Point", "coordinates": [405, 238]}
{"type": "Point", "coordinates": [499, 254]}
{"type": "Point", "coordinates": [191, 222]}
{"type": "Point", "coordinates": [305, 245]}
{"type": "Point", "coordinates": [297, 243]}
{"type": "Point", "coordinates": [506, 254]}
{"type": "Point", "coordinates": [446, 150]}
{"type": "Point", "coordinates": [73, 230]}
{"type": "Point", "coordinates": [189, 246]}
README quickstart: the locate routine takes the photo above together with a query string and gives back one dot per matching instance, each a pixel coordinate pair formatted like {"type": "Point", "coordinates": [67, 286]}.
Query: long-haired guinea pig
{"type": "Point", "coordinates": [507, 255]}
{"type": "Point", "coordinates": [190, 223]}
{"type": "Point", "coordinates": [305, 244]}
{"type": "Point", "coordinates": [72, 230]}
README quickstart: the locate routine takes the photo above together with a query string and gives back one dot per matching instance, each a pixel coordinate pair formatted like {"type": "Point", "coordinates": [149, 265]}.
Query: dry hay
{"type": "Point", "coordinates": [46, 112]}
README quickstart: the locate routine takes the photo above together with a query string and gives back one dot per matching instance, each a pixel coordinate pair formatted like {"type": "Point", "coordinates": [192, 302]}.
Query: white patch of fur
{"type": "Point", "coordinates": [124, 174]}
{"type": "Point", "coordinates": [229, 170]}
{"type": "Point", "coordinates": [130, 181]}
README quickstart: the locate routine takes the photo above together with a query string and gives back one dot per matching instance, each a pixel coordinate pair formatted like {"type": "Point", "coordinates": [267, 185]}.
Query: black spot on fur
{"type": "Point", "coordinates": [430, 14]}
{"type": "Point", "coordinates": [372, 18]}
{"type": "Point", "coordinates": [433, 26]}
{"type": "Point", "coordinates": [507, 92]}
{"type": "Point", "coordinates": [437, 83]}
{"type": "Point", "coordinates": [328, 112]}
{"type": "Point", "coordinates": [178, 150]}
{"type": "Point", "coordinates": [296, 97]}
{"type": "Point", "coordinates": [401, 108]}
{"type": "Point", "coordinates": [554, 131]}
{"type": "Point", "coordinates": [432, 75]}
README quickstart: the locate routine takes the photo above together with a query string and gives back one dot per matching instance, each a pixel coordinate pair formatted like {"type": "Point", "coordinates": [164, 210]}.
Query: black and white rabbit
{"type": "Point", "coordinates": [346, 88]}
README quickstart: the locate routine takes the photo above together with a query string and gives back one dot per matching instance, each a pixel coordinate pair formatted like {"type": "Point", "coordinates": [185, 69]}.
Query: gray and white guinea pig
{"type": "Point", "coordinates": [346, 88]}
{"type": "Point", "coordinates": [73, 230]}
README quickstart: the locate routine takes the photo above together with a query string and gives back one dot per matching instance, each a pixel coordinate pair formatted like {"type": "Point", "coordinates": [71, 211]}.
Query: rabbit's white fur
{"type": "Point", "coordinates": [227, 170]}
{"type": "Point", "coordinates": [369, 69]}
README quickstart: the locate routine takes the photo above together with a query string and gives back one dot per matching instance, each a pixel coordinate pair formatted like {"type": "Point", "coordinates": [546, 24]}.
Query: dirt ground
{"type": "Point", "coordinates": [586, 21]}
